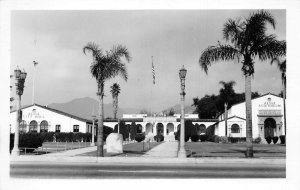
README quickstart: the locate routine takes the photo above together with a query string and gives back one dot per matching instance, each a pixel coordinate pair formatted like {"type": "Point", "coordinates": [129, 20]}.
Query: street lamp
{"type": "Point", "coordinates": [182, 152]}
{"type": "Point", "coordinates": [93, 130]}
{"type": "Point", "coordinates": [20, 80]}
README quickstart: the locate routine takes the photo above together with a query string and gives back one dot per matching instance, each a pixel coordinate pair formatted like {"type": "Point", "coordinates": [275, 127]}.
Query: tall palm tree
{"type": "Point", "coordinates": [282, 67]}
{"type": "Point", "coordinates": [247, 40]}
{"type": "Point", "coordinates": [115, 91]}
{"type": "Point", "coordinates": [106, 66]}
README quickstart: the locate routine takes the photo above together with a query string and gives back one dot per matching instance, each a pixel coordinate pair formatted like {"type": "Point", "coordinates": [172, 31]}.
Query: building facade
{"type": "Point", "coordinates": [267, 118]}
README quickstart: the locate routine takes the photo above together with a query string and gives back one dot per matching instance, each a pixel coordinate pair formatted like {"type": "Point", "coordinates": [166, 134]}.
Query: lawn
{"type": "Point", "coordinates": [210, 149]}
{"type": "Point", "coordinates": [129, 150]}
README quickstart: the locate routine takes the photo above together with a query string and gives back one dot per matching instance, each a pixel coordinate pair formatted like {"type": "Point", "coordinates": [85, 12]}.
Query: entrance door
{"type": "Point", "coordinates": [270, 125]}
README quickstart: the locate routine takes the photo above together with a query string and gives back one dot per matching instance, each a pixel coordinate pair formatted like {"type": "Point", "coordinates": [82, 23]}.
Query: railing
{"type": "Point", "coordinates": [49, 147]}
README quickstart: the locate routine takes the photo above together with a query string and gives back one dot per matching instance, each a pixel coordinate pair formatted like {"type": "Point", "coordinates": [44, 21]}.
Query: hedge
{"type": "Point", "coordinates": [195, 138]}
{"type": "Point", "coordinates": [27, 140]}
{"type": "Point", "coordinates": [203, 137]}
{"type": "Point", "coordinates": [282, 139]}
{"type": "Point", "coordinates": [236, 139]}
{"type": "Point", "coordinates": [140, 137]}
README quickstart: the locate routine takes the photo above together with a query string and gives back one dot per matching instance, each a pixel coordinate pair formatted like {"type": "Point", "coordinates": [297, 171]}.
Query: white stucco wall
{"type": "Point", "coordinates": [51, 117]}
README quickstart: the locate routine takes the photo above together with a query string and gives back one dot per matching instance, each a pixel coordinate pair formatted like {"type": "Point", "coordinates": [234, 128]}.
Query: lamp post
{"type": "Point", "coordinates": [182, 152]}
{"type": "Point", "coordinates": [93, 131]}
{"type": "Point", "coordinates": [20, 80]}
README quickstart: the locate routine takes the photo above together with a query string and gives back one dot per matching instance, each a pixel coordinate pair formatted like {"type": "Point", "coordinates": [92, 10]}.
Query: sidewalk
{"type": "Point", "coordinates": [164, 150]}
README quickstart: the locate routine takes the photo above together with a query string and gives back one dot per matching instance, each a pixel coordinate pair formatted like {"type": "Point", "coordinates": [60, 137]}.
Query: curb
{"type": "Point", "coordinates": [147, 160]}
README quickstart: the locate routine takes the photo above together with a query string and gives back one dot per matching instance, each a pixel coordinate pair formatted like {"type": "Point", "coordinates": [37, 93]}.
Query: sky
{"type": "Point", "coordinates": [173, 37]}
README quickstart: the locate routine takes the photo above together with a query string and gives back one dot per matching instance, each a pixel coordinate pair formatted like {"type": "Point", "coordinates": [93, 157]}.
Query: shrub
{"type": "Point", "coordinates": [203, 138]}
{"type": "Point", "coordinates": [257, 140]}
{"type": "Point", "coordinates": [269, 139]}
{"type": "Point", "coordinates": [159, 138]}
{"type": "Point", "coordinates": [275, 140]}
{"type": "Point", "coordinates": [28, 140]}
{"type": "Point", "coordinates": [140, 137]}
{"type": "Point", "coordinates": [282, 139]}
{"type": "Point", "coordinates": [11, 144]}
{"type": "Point", "coordinates": [195, 138]}
{"type": "Point", "coordinates": [236, 139]}
{"type": "Point", "coordinates": [223, 139]}
{"type": "Point", "coordinates": [215, 138]}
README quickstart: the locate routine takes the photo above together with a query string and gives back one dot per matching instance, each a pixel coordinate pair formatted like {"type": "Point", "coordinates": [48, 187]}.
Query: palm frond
{"type": "Point", "coordinates": [216, 53]}
{"type": "Point", "coordinates": [232, 31]}
{"type": "Point", "coordinates": [269, 48]}
{"type": "Point", "coordinates": [115, 89]}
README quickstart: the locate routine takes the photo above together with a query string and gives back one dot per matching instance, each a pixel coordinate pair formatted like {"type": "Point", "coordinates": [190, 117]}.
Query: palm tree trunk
{"type": "Point", "coordinates": [100, 152]}
{"type": "Point", "coordinates": [284, 112]}
{"type": "Point", "coordinates": [249, 145]}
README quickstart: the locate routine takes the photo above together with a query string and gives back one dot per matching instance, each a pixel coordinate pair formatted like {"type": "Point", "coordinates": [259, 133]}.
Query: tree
{"type": "Point", "coordinates": [104, 67]}
{"type": "Point", "coordinates": [247, 40]}
{"type": "Point", "coordinates": [226, 94]}
{"type": "Point", "coordinates": [206, 107]}
{"type": "Point", "coordinates": [115, 91]}
{"type": "Point", "coordinates": [282, 67]}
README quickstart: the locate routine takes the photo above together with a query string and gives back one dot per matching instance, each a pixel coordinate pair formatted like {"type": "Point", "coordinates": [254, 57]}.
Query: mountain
{"type": "Point", "coordinates": [177, 109]}
{"type": "Point", "coordinates": [85, 107]}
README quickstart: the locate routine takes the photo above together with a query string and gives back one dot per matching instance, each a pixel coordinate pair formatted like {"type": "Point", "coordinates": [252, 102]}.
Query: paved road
{"type": "Point", "coordinates": [136, 171]}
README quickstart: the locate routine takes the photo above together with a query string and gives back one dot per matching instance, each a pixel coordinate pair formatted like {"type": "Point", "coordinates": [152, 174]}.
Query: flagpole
{"type": "Point", "coordinates": [34, 63]}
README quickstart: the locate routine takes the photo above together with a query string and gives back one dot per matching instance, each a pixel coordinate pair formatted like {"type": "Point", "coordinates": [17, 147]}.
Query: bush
{"type": "Point", "coordinates": [140, 137]}
{"type": "Point", "coordinates": [257, 140]}
{"type": "Point", "coordinates": [223, 139]}
{"type": "Point", "coordinates": [215, 138]}
{"type": "Point", "coordinates": [236, 139]}
{"type": "Point", "coordinates": [275, 140]}
{"type": "Point", "coordinates": [269, 139]}
{"type": "Point", "coordinates": [159, 138]}
{"type": "Point", "coordinates": [282, 139]}
{"type": "Point", "coordinates": [195, 138]}
{"type": "Point", "coordinates": [27, 140]}
{"type": "Point", "coordinates": [203, 138]}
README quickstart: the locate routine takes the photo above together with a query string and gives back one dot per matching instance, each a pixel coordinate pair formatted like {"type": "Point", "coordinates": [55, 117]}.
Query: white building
{"type": "Point", "coordinates": [37, 118]}
{"type": "Point", "coordinates": [267, 118]}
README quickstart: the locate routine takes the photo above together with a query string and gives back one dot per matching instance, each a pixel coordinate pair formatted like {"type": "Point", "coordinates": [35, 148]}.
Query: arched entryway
{"type": "Point", "coordinates": [160, 129]}
{"type": "Point", "coordinates": [23, 127]}
{"type": "Point", "coordinates": [270, 126]}
{"type": "Point", "coordinates": [33, 126]}
{"type": "Point", "coordinates": [170, 128]}
{"type": "Point", "coordinates": [149, 128]}
{"type": "Point", "coordinates": [44, 126]}
{"type": "Point", "coordinates": [235, 128]}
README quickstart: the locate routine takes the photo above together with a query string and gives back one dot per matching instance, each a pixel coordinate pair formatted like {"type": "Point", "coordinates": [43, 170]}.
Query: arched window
{"type": "Point", "coordinates": [23, 127]}
{"type": "Point", "coordinates": [235, 128]}
{"type": "Point", "coordinates": [44, 126]}
{"type": "Point", "coordinates": [33, 126]}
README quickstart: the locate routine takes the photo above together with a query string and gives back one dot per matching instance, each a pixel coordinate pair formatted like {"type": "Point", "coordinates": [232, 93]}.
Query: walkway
{"type": "Point", "coordinates": [165, 149]}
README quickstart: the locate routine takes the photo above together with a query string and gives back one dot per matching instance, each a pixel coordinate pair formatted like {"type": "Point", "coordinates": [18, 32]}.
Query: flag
{"type": "Point", "coordinates": [35, 63]}
{"type": "Point", "coordinates": [153, 71]}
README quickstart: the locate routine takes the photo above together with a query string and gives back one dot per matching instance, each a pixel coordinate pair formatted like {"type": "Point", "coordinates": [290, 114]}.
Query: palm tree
{"type": "Point", "coordinates": [282, 67]}
{"type": "Point", "coordinates": [226, 95]}
{"type": "Point", "coordinates": [247, 40]}
{"type": "Point", "coordinates": [104, 67]}
{"type": "Point", "coordinates": [115, 91]}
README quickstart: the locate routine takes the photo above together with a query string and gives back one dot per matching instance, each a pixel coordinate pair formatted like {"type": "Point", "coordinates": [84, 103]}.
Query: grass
{"type": "Point", "coordinates": [210, 149]}
{"type": "Point", "coordinates": [129, 150]}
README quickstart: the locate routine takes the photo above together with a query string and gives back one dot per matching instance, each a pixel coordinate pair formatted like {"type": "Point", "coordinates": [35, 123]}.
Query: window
{"type": "Point", "coordinates": [235, 128]}
{"type": "Point", "coordinates": [33, 126]}
{"type": "Point", "coordinates": [57, 128]}
{"type": "Point", "coordinates": [44, 126]}
{"type": "Point", "coordinates": [23, 127]}
{"type": "Point", "coordinates": [75, 128]}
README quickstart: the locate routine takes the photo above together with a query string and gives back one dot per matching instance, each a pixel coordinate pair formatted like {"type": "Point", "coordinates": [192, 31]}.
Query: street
{"type": "Point", "coordinates": [44, 170]}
